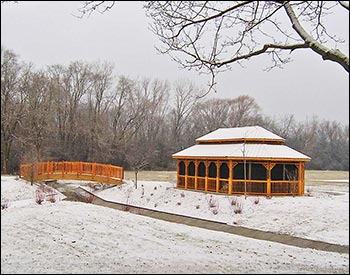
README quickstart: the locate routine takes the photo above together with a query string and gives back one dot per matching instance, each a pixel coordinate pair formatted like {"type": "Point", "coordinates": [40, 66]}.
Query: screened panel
{"type": "Point", "coordinates": [201, 169]}
{"type": "Point", "coordinates": [224, 172]}
{"type": "Point", "coordinates": [181, 182]}
{"type": "Point", "coordinates": [238, 171]}
{"type": "Point", "coordinates": [201, 184]}
{"type": "Point", "coordinates": [291, 172]}
{"type": "Point", "coordinates": [190, 183]}
{"type": "Point", "coordinates": [258, 172]}
{"type": "Point", "coordinates": [277, 172]}
{"type": "Point", "coordinates": [212, 170]}
{"type": "Point", "coordinates": [191, 169]}
{"type": "Point", "coordinates": [223, 186]}
{"type": "Point", "coordinates": [182, 168]}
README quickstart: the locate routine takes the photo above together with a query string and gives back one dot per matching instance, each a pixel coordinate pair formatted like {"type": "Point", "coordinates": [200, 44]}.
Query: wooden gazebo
{"type": "Point", "coordinates": [244, 160]}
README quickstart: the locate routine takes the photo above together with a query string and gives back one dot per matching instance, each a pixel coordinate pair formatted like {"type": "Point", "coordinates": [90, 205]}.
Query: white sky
{"type": "Point", "coordinates": [47, 33]}
{"type": "Point", "coordinates": [85, 238]}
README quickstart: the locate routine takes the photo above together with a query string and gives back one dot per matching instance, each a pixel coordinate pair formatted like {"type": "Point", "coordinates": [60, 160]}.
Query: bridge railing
{"type": "Point", "coordinates": [105, 173]}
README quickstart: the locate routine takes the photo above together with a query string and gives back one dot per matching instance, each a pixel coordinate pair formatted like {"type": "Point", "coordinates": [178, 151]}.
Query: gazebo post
{"type": "Point", "coordinates": [178, 172]}
{"type": "Point", "coordinates": [217, 175]}
{"type": "Point", "coordinates": [301, 179]}
{"type": "Point", "coordinates": [230, 166]}
{"type": "Point", "coordinates": [268, 184]}
{"type": "Point", "coordinates": [196, 174]}
{"type": "Point", "coordinates": [186, 173]}
{"type": "Point", "coordinates": [206, 175]}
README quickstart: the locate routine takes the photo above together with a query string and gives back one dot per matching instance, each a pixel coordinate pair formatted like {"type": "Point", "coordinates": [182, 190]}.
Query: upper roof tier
{"type": "Point", "coordinates": [254, 134]}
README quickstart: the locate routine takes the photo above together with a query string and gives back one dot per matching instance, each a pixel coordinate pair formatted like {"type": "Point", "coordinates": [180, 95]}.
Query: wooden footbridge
{"type": "Point", "coordinates": [65, 170]}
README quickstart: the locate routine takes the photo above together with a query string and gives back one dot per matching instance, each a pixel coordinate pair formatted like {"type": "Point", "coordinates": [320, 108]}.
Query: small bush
{"type": "Point", "coordinates": [233, 201]}
{"type": "Point", "coordinates": [212, 203]}
{"type": "Point", "coordinates": [39, 196]}
{"type": "Point", "coordinates": [238, 208]}
{"type": "Point", "coordinates": [197, 206]}
{"type": "Point", "coordinates": [178, 203]}
{"type": "Point", "coordinates": [182, 195]}
{"type": "Point", "coordinates": [256, 200]}
{"type": "Point", "coordinates": [51, 196]}
{"type": "Point", "coordinates": [4, 203]}
{"type": "Point", "coordinates": [215, 211]}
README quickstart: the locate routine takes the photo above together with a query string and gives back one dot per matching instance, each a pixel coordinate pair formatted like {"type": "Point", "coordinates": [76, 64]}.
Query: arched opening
{"type": "Point", "coordinates": [182, 168]}
{"type": "Point", "coordinates": [191, 172]}
{"type": "Point", "coordinates": [201, 174]}
{"type": "Point", "coordinates": [212, 170]}
{"type": "Point", "coordinates": [201, 169]}
{"type": "Point", "coordinates": [191, 169]}
{"type": "Point", "coordinates": [181, 177]}
{"type": "Point", "coordinates": [224, 174]}
{"type": "Point", "coordinates": [212, 177]}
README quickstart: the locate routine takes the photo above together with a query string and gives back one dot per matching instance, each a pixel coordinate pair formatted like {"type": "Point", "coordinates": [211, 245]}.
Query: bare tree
{"type": "Point", "coordinates": [212, 35]}
{"type": "Point", "coordinates": [128, 112]}
{"type": "Point", "coordinates": [13, 75]}
{"type": "Point", "coordinates": [186, 95]}
{"type": "Point", "coordinates": [214, 113]}
{"type": "Point", "coordinates": [77, 82]}
{"type": "Point", "coordinates": [36, 123]}
{"type": "Point", "coordinates": [99, 100]}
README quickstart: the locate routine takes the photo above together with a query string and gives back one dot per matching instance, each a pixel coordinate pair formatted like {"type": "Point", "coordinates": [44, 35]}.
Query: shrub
{"type": "Point", "coordinates": [212, 203]}
{"type": "Point", "coordinates": [51, 196]}
{"type": "Point", "coordinates": [238, 208]}
{"type": "Point", "coordinates": [256, 200]}
{"type": "Point", "coordinates": [215, 211]}
{"type": "Point", "coordinates": [4, 203]}
{"type": "Point", "coordinates": [39, 196]}
{"type": "Point", "coordinates": [233, 201]}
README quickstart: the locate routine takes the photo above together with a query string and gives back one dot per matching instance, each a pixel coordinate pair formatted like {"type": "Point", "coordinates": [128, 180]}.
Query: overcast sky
{"type": "Point", "coordinates": [47, 33]}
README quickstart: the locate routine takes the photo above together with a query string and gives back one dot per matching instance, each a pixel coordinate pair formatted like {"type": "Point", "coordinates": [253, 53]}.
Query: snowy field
{"type": "Point", "coordinates": [322, 214]}
{"type": "Point", "coordinates": [64, 237]}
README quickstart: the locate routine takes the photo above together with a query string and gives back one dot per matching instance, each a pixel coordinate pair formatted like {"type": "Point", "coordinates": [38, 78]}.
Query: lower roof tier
{"type": "Point", "coordinates": [241, 151]}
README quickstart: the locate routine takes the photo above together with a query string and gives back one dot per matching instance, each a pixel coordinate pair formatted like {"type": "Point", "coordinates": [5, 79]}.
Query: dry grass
{"type": "Point", "coordinates": [320, 176]}
{"type": "Point", "coordinates": [169, 176]}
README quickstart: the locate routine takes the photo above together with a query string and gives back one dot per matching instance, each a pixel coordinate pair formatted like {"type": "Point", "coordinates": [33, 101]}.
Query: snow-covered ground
{"type": "Point", "coordinates": [322, 214]}
{"type": "Point", "coordinates": [73, 237]}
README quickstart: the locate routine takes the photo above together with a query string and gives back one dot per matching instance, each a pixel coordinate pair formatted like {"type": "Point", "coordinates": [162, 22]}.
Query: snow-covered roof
{"type": "Point", "coordinates": [250, 133]}
{"type": "Point", "coordinates": [240, 150]}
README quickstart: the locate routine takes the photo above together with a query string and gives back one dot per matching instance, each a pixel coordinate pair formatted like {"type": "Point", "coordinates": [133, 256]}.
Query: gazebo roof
{"type": "Point", "coordinates": [253, 142]}
{"type": "Point", "coordinates": [240, 134]}
{"type": "Point", "coordinates": [241, 150]}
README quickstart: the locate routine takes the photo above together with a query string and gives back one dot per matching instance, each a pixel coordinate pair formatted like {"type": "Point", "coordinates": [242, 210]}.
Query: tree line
{"type": "Point", "coordinates": [83, 112]}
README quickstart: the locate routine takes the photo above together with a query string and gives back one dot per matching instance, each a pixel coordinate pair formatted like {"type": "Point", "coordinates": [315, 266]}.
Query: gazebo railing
{"type": "Point", "coordinates": [104, 173]}
{"type": "Point", "coordinates": [239, 186]}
